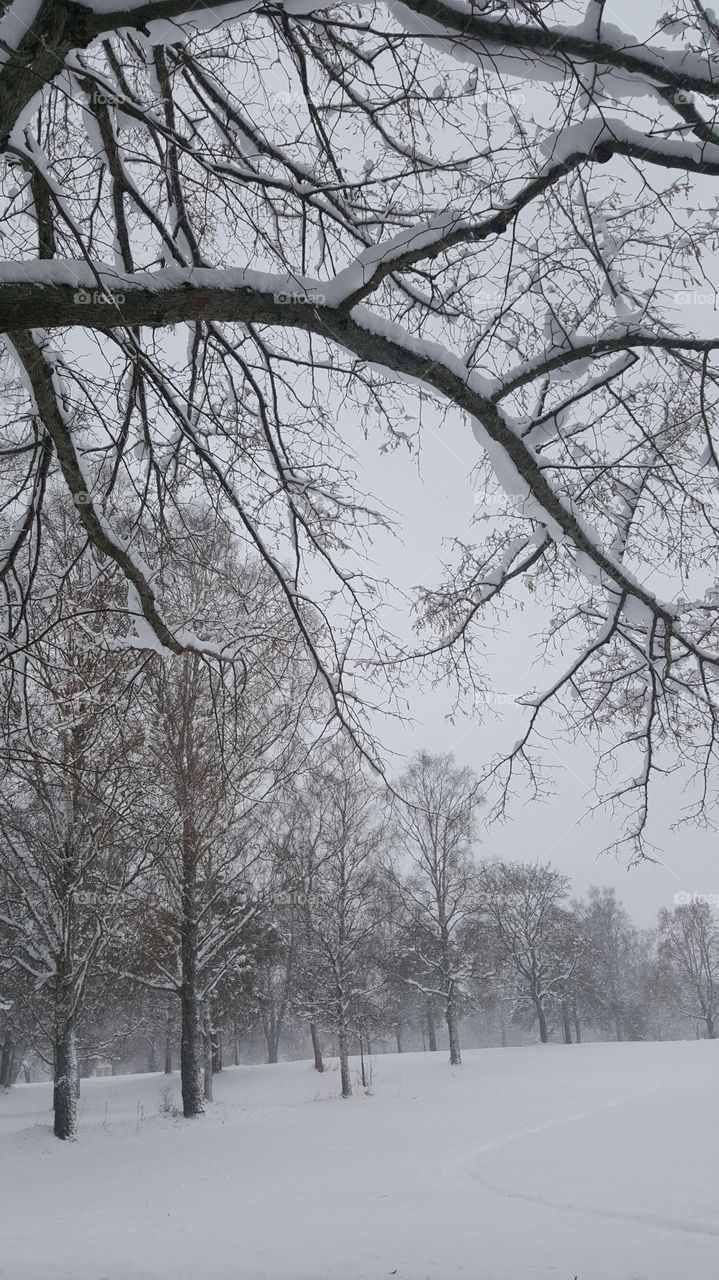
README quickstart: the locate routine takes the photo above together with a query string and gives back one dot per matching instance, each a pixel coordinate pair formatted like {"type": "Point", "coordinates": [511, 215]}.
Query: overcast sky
{"type": "Point", "coordinates": [437, 504]}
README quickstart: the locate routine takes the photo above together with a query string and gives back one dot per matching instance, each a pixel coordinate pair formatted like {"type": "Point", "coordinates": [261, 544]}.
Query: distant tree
{"type": "Point", "coordinates": [610, 991]}
{"type": "Point", "coordinates": [297, 850]}
{"type": "Point", "coordinates": [525, 905]}
{"type": "Point", "coordinates": [403, 1003]}
{"type": "Point", "coordinates": [434, 821]}
{"type": "Point", "coordinates": [655, 984]}
{"type": "Point", "coordinates": [274, 985]}
{"type": "Point", "coordinates": [689, 945]}
{"type": "Point", "coordinates": [335, 870]}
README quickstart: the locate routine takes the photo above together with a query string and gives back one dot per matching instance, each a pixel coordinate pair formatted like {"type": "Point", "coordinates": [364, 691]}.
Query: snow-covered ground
{"type": "Point", "coordinates": [599, 1162]}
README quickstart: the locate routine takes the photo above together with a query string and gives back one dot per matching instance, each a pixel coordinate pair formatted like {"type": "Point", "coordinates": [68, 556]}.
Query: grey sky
{"type": "Point", "coordinates": [439, 504]}
{"type": "Point", "coordinates": [436, 502]}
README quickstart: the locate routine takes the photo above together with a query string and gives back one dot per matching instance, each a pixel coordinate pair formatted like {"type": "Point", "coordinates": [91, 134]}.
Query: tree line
{"type": "Point", "coordinates": [194, 857]}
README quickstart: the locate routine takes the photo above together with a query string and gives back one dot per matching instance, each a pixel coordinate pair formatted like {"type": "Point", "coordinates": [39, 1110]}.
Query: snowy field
{"type": "Point", "coordinates": [599, 1162]}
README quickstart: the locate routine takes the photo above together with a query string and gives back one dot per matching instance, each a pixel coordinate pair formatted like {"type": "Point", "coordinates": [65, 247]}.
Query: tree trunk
{"type": "Point", "coordinates": [316, 1048]}
{"type": "Point", "coordinates": [345, 1078]}
{"type": "Point", "coordinates": [577, 1025]}
{"type": "Point", "coordinates": [65, 1089]}
{"type": "Point", "coordinates": [216, 1045]}
{"type": "Point", "coordinates": [208, 1059]}
{"type": "Point", "coordinates": [431, 1030]}
{"type": "Point", "coordinates": [542, 1020]}
{"type": "Point", "coordinates": [191, 1055]}
{"type": "Point", "coordinates": [168, 1038]}
{"type": "Point", "coordinates": [450, 1008]}
{"type": "Point", "coordinates": [398, 1036]}
{"type": "Point", "coordinates": [216, 1050]}
{"type": "Point", "coordinates": [455, 1056]}
{"type": "Point", "coordinates": [566, 1024]}
{"type": "Point", "coordinates": [7, 1055]}
{"type": "Point", "coordinates": [273, 1043]}
{"type": "Point", "coordinates": [152, 1056]}
{"type": "Point", "coordinates": [711, 1032]}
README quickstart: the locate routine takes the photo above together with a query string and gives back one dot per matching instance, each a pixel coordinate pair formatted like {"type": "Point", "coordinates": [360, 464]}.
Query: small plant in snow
{"type": "Point", "coordinates": [166, 1105]}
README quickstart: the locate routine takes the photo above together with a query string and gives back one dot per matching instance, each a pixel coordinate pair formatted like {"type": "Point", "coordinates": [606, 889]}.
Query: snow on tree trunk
{"type": "Point", "coordinates": [216, 1050]}
{"type": "Point", "coordinates": [191, 1047]}
{"type": "Point", "coordinates": [208, 1059]}
{"type": "Point", "coordinates": [65, 1090]}
{"type": "Point", "coordinates": [455, 1055]}
{"type": "Point", "coordinates": [168, 1038]}
{"type": "Point", "coordinates": [450, 1008]}
{"type": "Point", "coordinates": [345, 1077]}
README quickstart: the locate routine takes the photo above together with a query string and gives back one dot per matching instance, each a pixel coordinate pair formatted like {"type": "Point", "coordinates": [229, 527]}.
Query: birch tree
{"type": "Point", "coordinates": [435, 822]}
{"type": "Point", "coordinates": [220, 744]}
{"type": "Point", "coordinates": [298, 852]}
{"type": "Point", "coordinates": [336, 876]}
